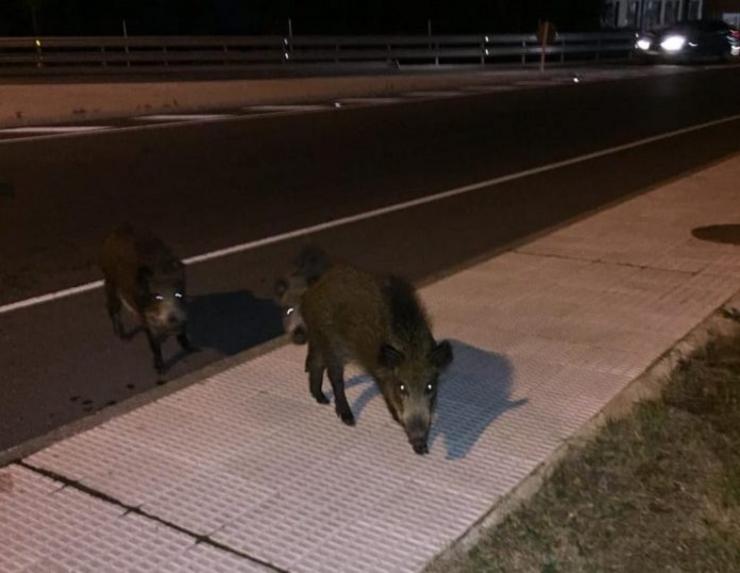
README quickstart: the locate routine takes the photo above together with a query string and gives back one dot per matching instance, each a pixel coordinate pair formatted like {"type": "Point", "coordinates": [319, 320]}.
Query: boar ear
{"type": "Point", "coordinates": [390, 357]}
{"type": "Point", "coordinates": [281, 286]}
{"type": "Point", "coordinates": [441, 355]}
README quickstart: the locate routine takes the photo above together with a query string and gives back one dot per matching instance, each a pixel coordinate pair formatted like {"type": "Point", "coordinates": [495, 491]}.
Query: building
{"type": "Point", "coordinates": [645, 14]}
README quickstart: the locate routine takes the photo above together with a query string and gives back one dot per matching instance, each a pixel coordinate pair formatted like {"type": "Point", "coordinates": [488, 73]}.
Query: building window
{"type": "Point", "coordinates": [651, 16]}
{"type": "Point", "coordinates": [610, 15]}
{"type": "Point", "coordinates": [633, 15]}
{"type": "Point", "coordinates": [694, 12]}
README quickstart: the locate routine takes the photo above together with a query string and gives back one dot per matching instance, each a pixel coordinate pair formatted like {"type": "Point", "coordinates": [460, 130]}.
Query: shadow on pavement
{"type": "Point", "coordinates": [230, 322]}
{"type": "Point", "coordinates": [727, 234]}
{"type": "Point", "coordinates": [474, 393]}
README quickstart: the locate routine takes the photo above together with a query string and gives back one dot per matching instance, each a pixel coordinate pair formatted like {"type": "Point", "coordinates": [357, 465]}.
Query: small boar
{"type": "Point", "coordinates": [309, 266]}
{"type": "Point", "coordinates": [380, 324]}
{"type": "Point", "coordinates": [143, 275]}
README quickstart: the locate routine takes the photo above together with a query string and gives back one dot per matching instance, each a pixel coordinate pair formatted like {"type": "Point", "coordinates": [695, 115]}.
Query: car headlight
{"type": "Point", "coordinates": [643, 44]}
{"type": "Point", "coordinates": [673, 43]}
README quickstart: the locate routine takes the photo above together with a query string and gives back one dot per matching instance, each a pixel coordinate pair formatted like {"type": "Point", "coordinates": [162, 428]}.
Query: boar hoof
{"type": "Point", "coordinates": [320, 398]}
{"type": "Point", "coordinates": [421, 449]}
{"type": "Point", "coordinates": [347, 417]}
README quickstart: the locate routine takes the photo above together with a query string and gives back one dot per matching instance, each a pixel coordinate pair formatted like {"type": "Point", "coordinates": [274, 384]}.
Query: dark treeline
{"type": "Point", "coordinates": [104, 17]}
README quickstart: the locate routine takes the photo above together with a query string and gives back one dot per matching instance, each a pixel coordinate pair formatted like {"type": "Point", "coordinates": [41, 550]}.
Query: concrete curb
{"type": "Point", "coordinates": [34, 445]}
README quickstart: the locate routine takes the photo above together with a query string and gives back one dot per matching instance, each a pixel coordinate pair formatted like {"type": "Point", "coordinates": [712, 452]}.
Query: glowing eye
{"type": "Point", "coordinates": [403, 388]}
{"type": "Point", "coordinates": [290, 311]}
{"type": "Point", "coordinates": [178, 295]}
{"type": "Point", "coordinates": [158, 297]}
{"type": "Point", "coordinates": [430, 387]}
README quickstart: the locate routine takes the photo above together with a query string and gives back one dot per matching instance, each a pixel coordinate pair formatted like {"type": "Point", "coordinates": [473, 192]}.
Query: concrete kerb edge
{"type": "Point", "coordinates": [34, 445]}
{"type": "Point", "coordinates": [645, 387]}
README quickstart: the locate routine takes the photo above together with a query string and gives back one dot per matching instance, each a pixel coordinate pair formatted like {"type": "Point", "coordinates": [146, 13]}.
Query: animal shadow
{"type": "Point", "coordinates": [726, 234]}
{"type": "Point", "coordinates": [230, 322]}
{"type": "Point", "coordinates": [473, 392]}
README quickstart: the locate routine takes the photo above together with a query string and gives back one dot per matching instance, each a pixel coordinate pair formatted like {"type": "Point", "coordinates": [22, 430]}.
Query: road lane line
{"type": "Point", "coordinates": [54, 129]}
{"type": "Point", "coordinates": [303, 231]}
{"type": "Point", "coordinates": [370, 101]}
{"type": "Point", "coordinates": [183, 117]}
{"type": "Point", "coordinates": [432, 94]}
{"type": "Point", "coordinates": [298, 109]}
{"type": "Point", "coordinates": [286, 107]}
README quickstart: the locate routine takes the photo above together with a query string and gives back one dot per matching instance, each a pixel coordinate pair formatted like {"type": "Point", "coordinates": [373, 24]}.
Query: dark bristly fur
{"type": "Point", "coordinates": [310, 264]}
{"type": "Point", "coordinates": [143, 274]}
{"type": "Point", "coordinates": [379, 323]}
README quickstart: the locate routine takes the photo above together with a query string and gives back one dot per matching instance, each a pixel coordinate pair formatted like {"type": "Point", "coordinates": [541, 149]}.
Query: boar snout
{"type": "Point", "coordinates": [417, 431]}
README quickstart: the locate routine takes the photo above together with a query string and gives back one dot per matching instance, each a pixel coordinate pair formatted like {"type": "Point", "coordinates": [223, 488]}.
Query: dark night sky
{"type": "Point", "coordinates": [100, 17]}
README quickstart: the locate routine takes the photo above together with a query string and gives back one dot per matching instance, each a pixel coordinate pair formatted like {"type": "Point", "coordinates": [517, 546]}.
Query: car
{"type": "Point", "coordinates": [688, 42]}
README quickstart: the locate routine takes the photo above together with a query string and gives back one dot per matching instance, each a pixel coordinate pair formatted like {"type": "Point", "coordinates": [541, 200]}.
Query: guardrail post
{"type": "Point", "coordinates": [483, 50]}
{"type": "Point", "coordinates": [104, 59]}
{"type": "Point", "coordinates": [164, 52]}
{"type": "Point", "coordinates": [524, 51]}
{"type": "Point", "coordinates": [125, 43]}
{"type": "Point", "coordinates": [562, 50]}
{"type": "Point", "coordinates": [39, 55]}
{"type": "Point", "coordinates": [598, 48]}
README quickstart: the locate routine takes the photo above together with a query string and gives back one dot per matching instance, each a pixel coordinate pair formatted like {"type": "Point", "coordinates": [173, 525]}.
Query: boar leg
{"type": "Point", "coordinates": [113, 304]}
{"type": "Point", "coordinates": [156, 346]}
{"type": "Point", "coordinates": [184, 341]}
{"type": "Point", "coordinates": [315, 368]}
{"type": "Point", "coordinates": [336, 377]}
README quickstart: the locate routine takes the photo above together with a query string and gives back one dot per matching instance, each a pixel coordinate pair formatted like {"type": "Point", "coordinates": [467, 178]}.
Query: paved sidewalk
{"type": "Point", "coordinates": [244, 472]}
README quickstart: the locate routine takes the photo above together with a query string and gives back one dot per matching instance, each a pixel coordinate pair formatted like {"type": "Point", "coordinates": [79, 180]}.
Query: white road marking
{"type": "Point", "coordinates": [54, 129]}
{"type": "Point", "coordinates": [487, 89]}
{"type": "Point", "coordinates": [539, 83]}
{"type": "Point", "coordinates": [251, 245]}
{"type": "Point", "coordinates": [287, 107]}
{"type": "Point", "coordinates": [184, 117]}
{"type": "Point", "coordinates": [433, 94]}
{"type": "Point", "coordinates": [370, 100]}
{"type": "Point", "coordinates": [295, 109]}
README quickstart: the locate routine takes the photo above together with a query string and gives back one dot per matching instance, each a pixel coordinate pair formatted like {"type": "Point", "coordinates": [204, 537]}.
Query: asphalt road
{"type": "Point", "coordinates": [208, 186]}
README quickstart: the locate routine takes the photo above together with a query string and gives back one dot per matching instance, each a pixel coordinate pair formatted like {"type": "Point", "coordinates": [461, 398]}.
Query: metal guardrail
{"type": "Point", "coordinates": [154, 51]}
